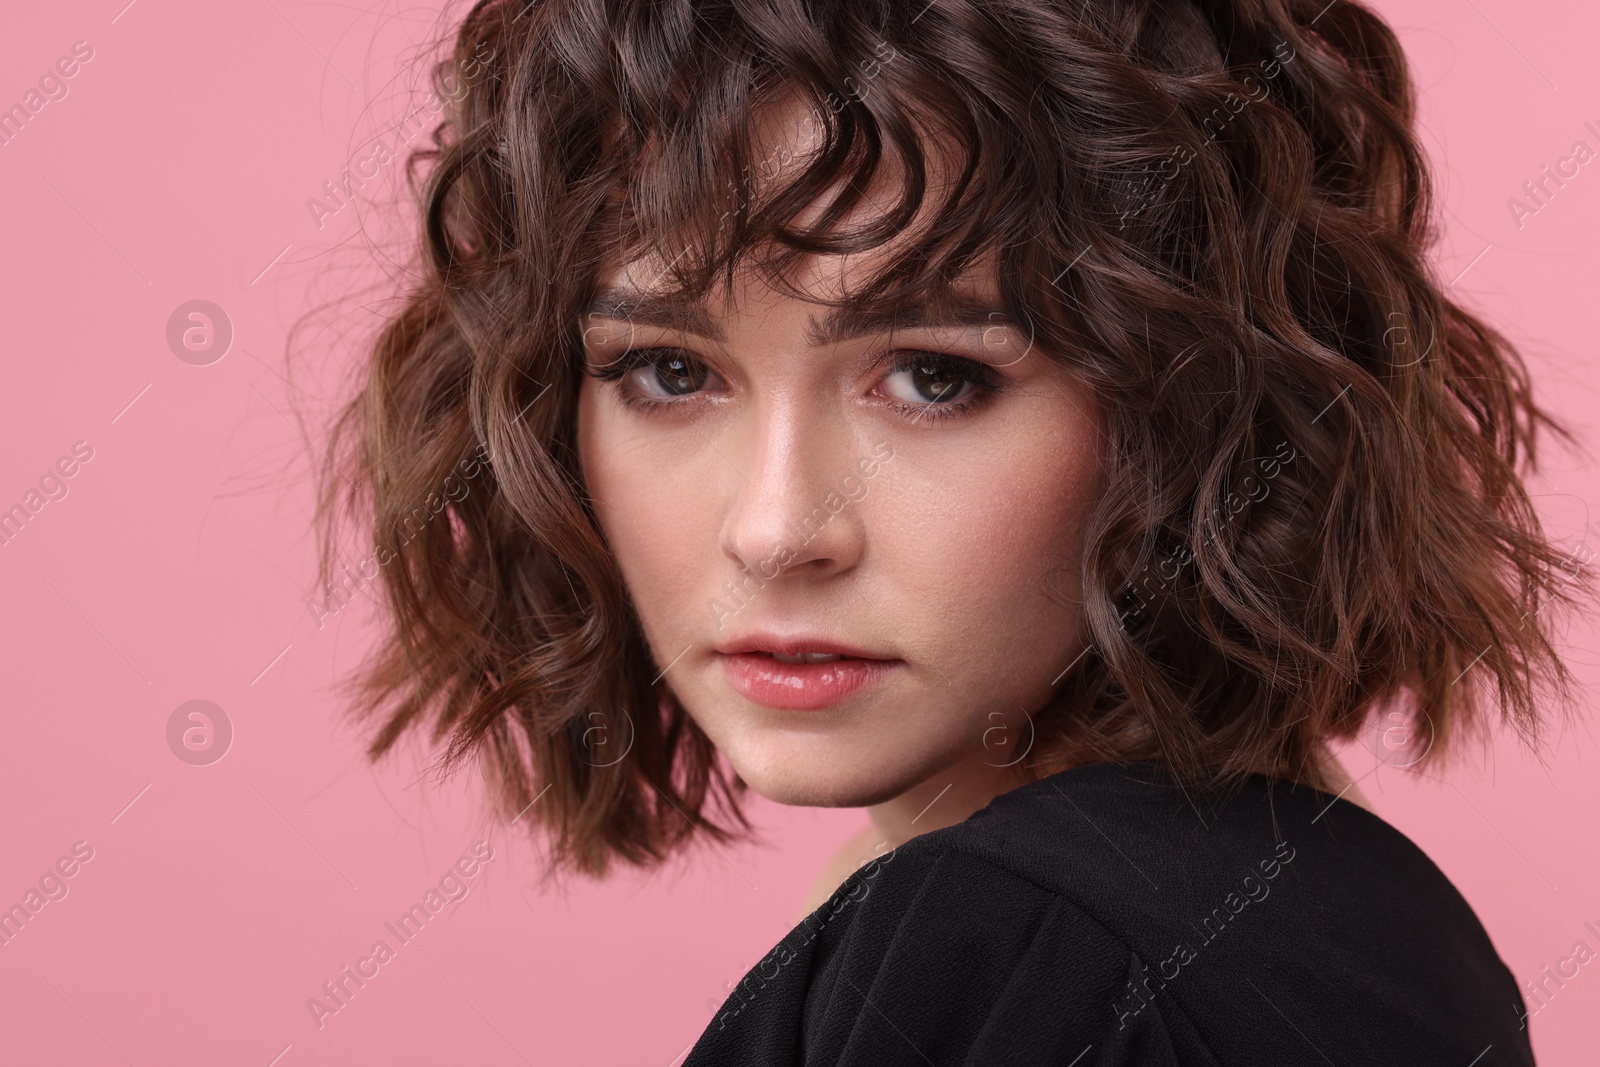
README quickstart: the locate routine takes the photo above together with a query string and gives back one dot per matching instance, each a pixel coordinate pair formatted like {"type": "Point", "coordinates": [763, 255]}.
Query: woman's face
{"type": "Point", "coordinates": [776, 481]}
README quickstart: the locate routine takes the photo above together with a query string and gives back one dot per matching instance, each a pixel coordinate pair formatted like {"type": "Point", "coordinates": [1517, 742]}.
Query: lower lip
{"type": "Point", "coordinates": [800, 686]}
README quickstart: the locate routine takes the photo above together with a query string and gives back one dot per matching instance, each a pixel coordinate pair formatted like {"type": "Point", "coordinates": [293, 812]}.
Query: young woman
{"type": "Point", "coordinates": [1033, 421]}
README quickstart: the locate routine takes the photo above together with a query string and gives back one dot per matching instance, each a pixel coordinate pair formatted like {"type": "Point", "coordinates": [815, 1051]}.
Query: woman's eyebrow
{"type": "Point", "coordinates": [843, 323]}
{"type": "Point", "coordinates": [839, 324]}
{"type": "Point", "coordinates": [632, 306]}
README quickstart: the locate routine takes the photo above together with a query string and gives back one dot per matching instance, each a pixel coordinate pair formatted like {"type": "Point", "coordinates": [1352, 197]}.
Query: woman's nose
{"type": "Point", "coordinates": [787, 489]}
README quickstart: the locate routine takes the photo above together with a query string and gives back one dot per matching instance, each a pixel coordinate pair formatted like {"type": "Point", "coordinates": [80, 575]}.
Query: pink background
{"type": "Point", "coordinates": [178, 566]}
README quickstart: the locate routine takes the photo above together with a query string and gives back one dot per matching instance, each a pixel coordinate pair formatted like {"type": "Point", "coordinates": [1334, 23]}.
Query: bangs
{"type": "Point", "coordinates": [772, 156]}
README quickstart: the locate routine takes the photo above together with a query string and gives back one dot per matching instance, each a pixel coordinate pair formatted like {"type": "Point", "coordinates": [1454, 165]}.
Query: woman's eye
{"type": "Point", "coordinates": [923, 385]}
{"type": "Point", "coordinates": [926, 379]}
{"type": "Point", "coordinates": [675, 374]}
{"type": "Point", "coordinates": [666, 373]}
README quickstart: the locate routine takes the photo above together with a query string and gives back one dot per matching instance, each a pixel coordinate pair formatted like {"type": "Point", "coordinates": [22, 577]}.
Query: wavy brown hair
{"type": "Point", "coordinates": [1215, 213]}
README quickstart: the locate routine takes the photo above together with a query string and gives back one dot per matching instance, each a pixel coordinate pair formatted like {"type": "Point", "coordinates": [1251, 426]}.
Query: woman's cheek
{"type": "Point", "coordinates": [648, 511]}
{"type": "Point", "coordinates": [661, 533]}
{"type": "Point", "coordinates": [970, 548]}
{"type": "Point", "coordinates": [1028, 528]}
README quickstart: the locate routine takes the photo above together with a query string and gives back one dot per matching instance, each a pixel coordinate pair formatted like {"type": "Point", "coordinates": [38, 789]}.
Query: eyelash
{"type": "Point", "coordinates": [967, 370]}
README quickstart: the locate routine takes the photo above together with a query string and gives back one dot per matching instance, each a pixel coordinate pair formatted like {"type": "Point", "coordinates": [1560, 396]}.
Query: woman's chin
{"type": "Point", "coordinates": [822, 783]}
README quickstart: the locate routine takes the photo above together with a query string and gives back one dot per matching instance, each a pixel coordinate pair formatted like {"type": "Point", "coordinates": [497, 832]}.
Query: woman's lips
{"type": "Point", "coordinates": [800, 686]}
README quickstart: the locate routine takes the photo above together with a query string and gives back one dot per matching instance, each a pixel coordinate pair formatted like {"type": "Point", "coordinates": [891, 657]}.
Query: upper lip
{"type": "Point", "coordinates": [794, 645]}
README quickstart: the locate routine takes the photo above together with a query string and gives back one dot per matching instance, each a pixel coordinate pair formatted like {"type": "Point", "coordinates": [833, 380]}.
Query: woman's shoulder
{"type": "Point", "coordinates": [928, 953]}
{"type": "Point", "coordinates": [1271, 899]}
{"type": "Point", "coordinates": [1102, 907]}
{"type": "Point", "coordinates": [1127, 842]}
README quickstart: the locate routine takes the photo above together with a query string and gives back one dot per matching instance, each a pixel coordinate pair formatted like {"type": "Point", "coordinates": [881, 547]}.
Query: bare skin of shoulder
{"type": "Point", "coordinates": [858, 850]}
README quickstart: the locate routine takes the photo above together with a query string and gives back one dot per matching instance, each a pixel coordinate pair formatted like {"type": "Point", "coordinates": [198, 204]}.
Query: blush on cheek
{"type": "Point", "coordinates": [1009, 545]}
{"type": "Point", "coordinates": [1016, 528]}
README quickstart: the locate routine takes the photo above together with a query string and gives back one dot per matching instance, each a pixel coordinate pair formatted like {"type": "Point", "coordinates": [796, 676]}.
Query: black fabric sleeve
{"type": "Point", "coordinates": [937, 957]}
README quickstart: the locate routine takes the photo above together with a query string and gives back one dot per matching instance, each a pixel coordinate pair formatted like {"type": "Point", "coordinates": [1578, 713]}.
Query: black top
{"type": "Point", "coordinates": [1094, 918]}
